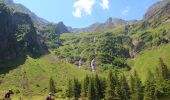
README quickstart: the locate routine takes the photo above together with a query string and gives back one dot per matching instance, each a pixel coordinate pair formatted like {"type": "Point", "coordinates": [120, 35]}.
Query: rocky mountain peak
{"type": "Point", "coordinates": [154, 9]}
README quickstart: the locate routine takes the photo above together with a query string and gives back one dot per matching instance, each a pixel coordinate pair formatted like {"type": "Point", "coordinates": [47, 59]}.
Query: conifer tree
{"type": "Point", "coordinates": [125, 91]}
{"type": "Point", "coordinates": [69, 91]}
{"type": "Point", "coordinates": [164, 72]}
{"type": "Point", "coordinates": [111, 84]}
{"type": "Point", "coordinates": [85, 85]}
{"type": "Point", "coordinates": [103, 87]}
{"type": "Point", "coordinates": [136, 87]}
{"type": "Point", "coordinates": [98, 87]}
{"type": "Point", "coordinates": [91, 90]}
{"type": "Point", "coordinates": [162, 79]}
{"type": "Point", "coordinates": [76, 89]}
{"type": "Point", "coordinates": [118, 90]}
{"type": "Point", "coordinates": [52, 87]}
{"type": "Point", "coordinates": [150, 91]}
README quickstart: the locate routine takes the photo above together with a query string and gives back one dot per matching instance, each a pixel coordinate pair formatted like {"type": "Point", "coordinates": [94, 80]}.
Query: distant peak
{"type": "Point", "coordinates": [110, 20]}
{"type": "Point", "coordinates": [61, 23]}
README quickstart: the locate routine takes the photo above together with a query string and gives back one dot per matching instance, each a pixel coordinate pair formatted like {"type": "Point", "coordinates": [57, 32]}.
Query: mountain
{"type": "Point", "coordinates": [111, 23]}
{"type": "Point", "coordinates": [155, 8]}
{"type": "Point", "coordinates": [23, 9]}
{"type": "Point", "coordinates": [17, 34]}
{"type": "Point", "coordinates": [61, 28]}
{"type": "Point", "coordinates": [116, 47]}
{"type": "Point", "coordinates": [38, 22]}
{"type": "Point", "coordinates": [125, 47]}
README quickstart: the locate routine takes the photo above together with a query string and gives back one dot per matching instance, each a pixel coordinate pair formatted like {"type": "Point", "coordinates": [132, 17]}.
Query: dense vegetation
{"type": "Point", "coordinates": [130, 62]}
{"type": "Point", "coordinates": [117, 87]}
{"type": "Point", "coordinates": [115, 48]}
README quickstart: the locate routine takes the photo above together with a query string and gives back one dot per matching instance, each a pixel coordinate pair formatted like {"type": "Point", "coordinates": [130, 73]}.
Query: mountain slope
{"type": "Point", "coordinates": [32, 77]}
{"type": "Point", "coordinates": [114, 48]}
{"type": "Point", "coordinates": [17, 34]}
{"type": "Point", "coordinates": [149, 59]}
{"type": "Point", "coordinates": [154, 9]}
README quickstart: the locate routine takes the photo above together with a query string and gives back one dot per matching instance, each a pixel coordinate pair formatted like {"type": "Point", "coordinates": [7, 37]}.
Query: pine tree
{"type": "Point", "coordinates": [125, 91]}
{"type": "Point", "coordinates": [150, 91]}
{"type": "Point", "coordinates": [91, 90]}
{"type": "Point", "coordinates": [103, 87]}
{"type": "Point", "coordinates": [69, 91]}
{"type": "Point", "coordinates": [98, 87]}
{"type": "Point", "coordinates": [111, 84]}
{"type": "Point", "coordinates": [164, 72]}
{"type": "Point", "coordinates": [52, 87]}
{"type": "Point", "coordinates": [162, 79]}
{"type": "Point", "coordinates": [132, 85]}
{"type": "Point", "coordinates": [85, 85]}
{"type": "Point", "coordinates": [118, 90]}
{"type": "Point", "coordinates": [136, 87]}
{"type": "Point", "coordinates": [76, 89]}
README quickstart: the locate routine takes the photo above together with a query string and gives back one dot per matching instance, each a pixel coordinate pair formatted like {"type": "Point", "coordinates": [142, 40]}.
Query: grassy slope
{"type": "Point", "coordinates": [37, 72]}
{"type": "Point", "coordinates": [148, 60]}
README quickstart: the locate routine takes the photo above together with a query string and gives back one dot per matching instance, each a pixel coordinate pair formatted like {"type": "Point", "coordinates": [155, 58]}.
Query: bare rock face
{"type": "Point", "coordinates": [61, 28]}
{"type": "Point", "coordinates": [154, 9]}
{"type": "Point", "coordinates": [17, 34]}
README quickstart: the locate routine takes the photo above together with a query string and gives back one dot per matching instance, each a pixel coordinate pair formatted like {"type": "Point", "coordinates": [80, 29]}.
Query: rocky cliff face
{"type": "Point", "coordinates": [17, 34]}
{"type": "Point", "coordinates": [154, 9]}
{"type": "Point", "coordinates": [61, 28]}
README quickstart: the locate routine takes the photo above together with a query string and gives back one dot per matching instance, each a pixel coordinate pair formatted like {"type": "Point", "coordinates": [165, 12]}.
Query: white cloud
{"type": "Point", "coordinates": [83, 6]}
{"type": "Point", "coordinates": [104, 4]}
{"type": "Point", "coordinates": [125, 11]}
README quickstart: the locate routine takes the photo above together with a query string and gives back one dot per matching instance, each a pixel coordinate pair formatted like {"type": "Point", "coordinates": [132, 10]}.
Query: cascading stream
{"type": "Point", "coordinates": [92, 65]}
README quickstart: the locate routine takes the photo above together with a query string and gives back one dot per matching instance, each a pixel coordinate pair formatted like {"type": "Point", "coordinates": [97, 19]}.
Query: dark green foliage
{"type": "Point", "coordinates": [150, 88]}
{"type": "Point", "coordinates": [85, 85]}
{"type": "Point", "coordinates": [98, 88]}
{"type": "Point", "coordinates": [103, 85]}
{"type": "Point", "coordinates": [111, 84]}
{"type": "Point", "coordinates": [124, 89]}
{"type": "Point", "coordinates": [76, 89]}
{"type": "Point", "coordinates": [164, 72]}
{"type": "Point", "coordinates": [17, 35]}
{"type": "Point", "coordinates": [162, 79]}
{"type": "Point", "coordinates": [108, 47]}
{"type": "Point", "coordinates": [69, 91]}
{"type": "Point", "coordinates": [52, 87]}
{"type": "Point", "coordinates": [112, 52]}
{"type": "Point", "coordinates": [91, 90]}
{"type": "Point", "coordinates": [136, 87]}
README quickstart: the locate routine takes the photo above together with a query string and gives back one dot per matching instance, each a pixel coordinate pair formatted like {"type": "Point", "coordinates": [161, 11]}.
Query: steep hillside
{"type": "Point", "coordinates": [17, 35]}
{"type": "Point", "coordinates": [117, 45]}
{"type": "Point", "coordinates": [149, 59]}
{"type": "Point", "coordinates": [115, 48]}
{"type": "Point", "coordinates": [154, 9]}
{"type": "Point", "coordinates": [101, 49]}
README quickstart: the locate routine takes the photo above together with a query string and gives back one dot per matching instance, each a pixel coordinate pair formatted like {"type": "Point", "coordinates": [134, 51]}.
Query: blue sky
{"type": "Point", "coordinates": [82, 13]}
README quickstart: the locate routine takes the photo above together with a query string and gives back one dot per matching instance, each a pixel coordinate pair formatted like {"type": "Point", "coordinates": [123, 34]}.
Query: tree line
{"type": "Point", "coordinates": [120, 87]}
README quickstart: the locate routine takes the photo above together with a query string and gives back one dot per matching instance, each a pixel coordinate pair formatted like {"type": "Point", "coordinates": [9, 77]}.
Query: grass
{"type": "Point", "coordinates": [148, 60]}
{"type": "Point", "coordinates": [32, 77]}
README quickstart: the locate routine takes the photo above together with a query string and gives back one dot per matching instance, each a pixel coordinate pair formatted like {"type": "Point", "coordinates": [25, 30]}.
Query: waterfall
{"type": "Point", "coordinates": [93, 64]}
{"type": "Point", "coordinates": [80, 63]}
